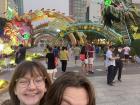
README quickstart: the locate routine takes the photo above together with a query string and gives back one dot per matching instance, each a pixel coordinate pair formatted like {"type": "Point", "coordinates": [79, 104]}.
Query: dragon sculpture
{"type": "Point", "coordinates": [122, 16]}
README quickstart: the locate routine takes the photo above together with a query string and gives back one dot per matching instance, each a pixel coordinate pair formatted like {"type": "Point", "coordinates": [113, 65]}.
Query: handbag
{"type": "Point", "coordinates": [82, 57]}
{"type": "Point", "coordinates": [56, 61]}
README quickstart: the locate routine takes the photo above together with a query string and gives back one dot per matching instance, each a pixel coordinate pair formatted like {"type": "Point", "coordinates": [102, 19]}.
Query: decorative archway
{"type": "Point", "coordinates": [98, 29]}
{"type": "Point", "coordinates": [47, 22]}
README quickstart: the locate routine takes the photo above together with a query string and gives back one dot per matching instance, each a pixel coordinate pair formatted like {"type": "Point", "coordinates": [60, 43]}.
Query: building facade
{"type": "Point", "coordinates": [95, 11]}
{"type": "Point", "coordinates": [3, 8]}
{"type": "Point", "coordinates": [85, 10]}
{"type": "Point", "coordinates": [4, 4]}
{"type": "Point", "coordinates": [19, 4]}
{"type": "Point", "coordinates": [12, 5]}
{"type": "Point", "coordinates": [77, 9]}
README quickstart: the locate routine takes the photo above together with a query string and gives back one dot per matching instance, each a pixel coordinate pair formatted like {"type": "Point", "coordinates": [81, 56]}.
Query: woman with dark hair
{"type": "Point", "coordinates": [84, 60]}
{"type": "Point", "coordinates": [71, 89]}
{"type": "Point", "coordinates": [51, 63]}
{"type": "Point", "coordinates": [29, 84]}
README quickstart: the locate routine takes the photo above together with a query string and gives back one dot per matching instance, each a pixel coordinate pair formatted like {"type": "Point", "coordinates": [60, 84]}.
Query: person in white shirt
{"type": "Point", "coordinates": [126, 53]}
{"type": "Point", "coordinates": [110, 61]}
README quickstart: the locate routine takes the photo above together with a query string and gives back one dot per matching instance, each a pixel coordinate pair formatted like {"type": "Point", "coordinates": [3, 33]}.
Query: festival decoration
{"type": "Point", "coordinates": [122, 17]}
{"type": "Point", "coordinates": [26, 36]}
{"type": "Point", "coordinates": [3, 84]}
{"type": "Point", "coordinates": [58, 24]}
{"type": "Point", "coordinates": [5, 48]}
{"type": "Point", "coordinates": [107, 2]}
{"type": "Point", "coordinates": [80, 37]}
{"type": "Point", "coordinates": [10, 13]}
{"type": "Point", "coordinates": [19, 30]}
{"type": "Point", "coordinates": [72, 38]}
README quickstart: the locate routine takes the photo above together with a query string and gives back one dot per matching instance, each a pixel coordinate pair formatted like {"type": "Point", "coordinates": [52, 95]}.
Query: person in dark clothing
{"type": "Point", "coordinates": [119, 62]}
{"type": "Point", "coordinates": [20, 54]}
{"type": "Point", "coordinates": [51, 63]}
{"type": "Point", "coordinates": [23, 52]}
{"type": "Point", "coordinates": [17, 56]}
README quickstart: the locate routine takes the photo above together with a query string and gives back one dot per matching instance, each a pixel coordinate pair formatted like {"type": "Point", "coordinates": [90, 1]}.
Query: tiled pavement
{"type": "Point", "coordinates": [126, 92]}
{"type": "Point", "coordinates": [3, 97]}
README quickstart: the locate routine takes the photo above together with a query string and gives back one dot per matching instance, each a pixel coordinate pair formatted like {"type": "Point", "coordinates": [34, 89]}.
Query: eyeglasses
{"type": "Point", "coordinates": [24, 82]}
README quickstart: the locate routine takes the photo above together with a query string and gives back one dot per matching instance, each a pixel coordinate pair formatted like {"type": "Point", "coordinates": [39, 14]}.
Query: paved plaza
{"type": "Point", "coordinates": [126, 92]}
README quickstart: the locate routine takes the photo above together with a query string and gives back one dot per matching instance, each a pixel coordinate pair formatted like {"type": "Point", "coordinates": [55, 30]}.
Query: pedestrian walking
{"type": "Point", "coordinates": [110, 61]}
{"type": "Point", "coordinates": [126, 53]}
{"type": "Point", "coordinates": [119, 62]}
{"type": "Point", "coordinates": [90, 58]}
{"type": "Point", "coordinates": [51, 64]}
{"type": "Point", "coordinates": [76, 53]}
{"type": "Point", "coordinates": [84, 60]}
{"type": "Point", "coordinates": [63, 56]}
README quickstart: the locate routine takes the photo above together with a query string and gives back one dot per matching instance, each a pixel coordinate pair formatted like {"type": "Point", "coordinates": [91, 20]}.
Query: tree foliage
{"type": "Point", "coordinates": [136, 45]}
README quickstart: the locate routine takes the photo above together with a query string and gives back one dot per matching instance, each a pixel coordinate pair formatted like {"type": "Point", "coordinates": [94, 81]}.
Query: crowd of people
{"type": "Point", "coordinates": [114, 58]}
{"type": "Point", "coordinates": [84, 53]}
{"type": "Point", "coordinates": [34, 84]}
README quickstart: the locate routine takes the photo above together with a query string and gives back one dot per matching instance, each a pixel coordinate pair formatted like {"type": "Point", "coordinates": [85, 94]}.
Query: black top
{"type": "Point", "coordinates": [22, 51]}
{"type": "Point", "coordinates": [51, 60]}
{"type": "Point", "coordinates": [121, 55]}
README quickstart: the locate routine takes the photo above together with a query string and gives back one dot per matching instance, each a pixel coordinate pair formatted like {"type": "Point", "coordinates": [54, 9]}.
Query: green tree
{"type": "Point", "coordinates": [136, 45]}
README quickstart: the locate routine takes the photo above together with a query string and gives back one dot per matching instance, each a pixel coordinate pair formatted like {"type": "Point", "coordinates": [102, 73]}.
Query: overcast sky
{"type": "Point", "coordinates": [59, 5]}
{"type": "Point", "coordinates": [136, 1]}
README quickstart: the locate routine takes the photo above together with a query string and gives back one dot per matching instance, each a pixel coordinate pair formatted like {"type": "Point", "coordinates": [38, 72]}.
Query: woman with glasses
{"type": "Point", "coordinates": [71, 89]}
{"type": "Point", "coordinates": [29, 84]}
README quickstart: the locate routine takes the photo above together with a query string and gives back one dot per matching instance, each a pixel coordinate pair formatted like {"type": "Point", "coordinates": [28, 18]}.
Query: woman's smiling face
{"type": "Point", "coordinates": [30, 89]}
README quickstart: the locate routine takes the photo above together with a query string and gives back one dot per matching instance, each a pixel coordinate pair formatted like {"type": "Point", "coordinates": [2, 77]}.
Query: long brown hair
{"type": "Point", "coordinates": [69, 79]}
{"type": "Point", "coordinates": [21, 70]}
